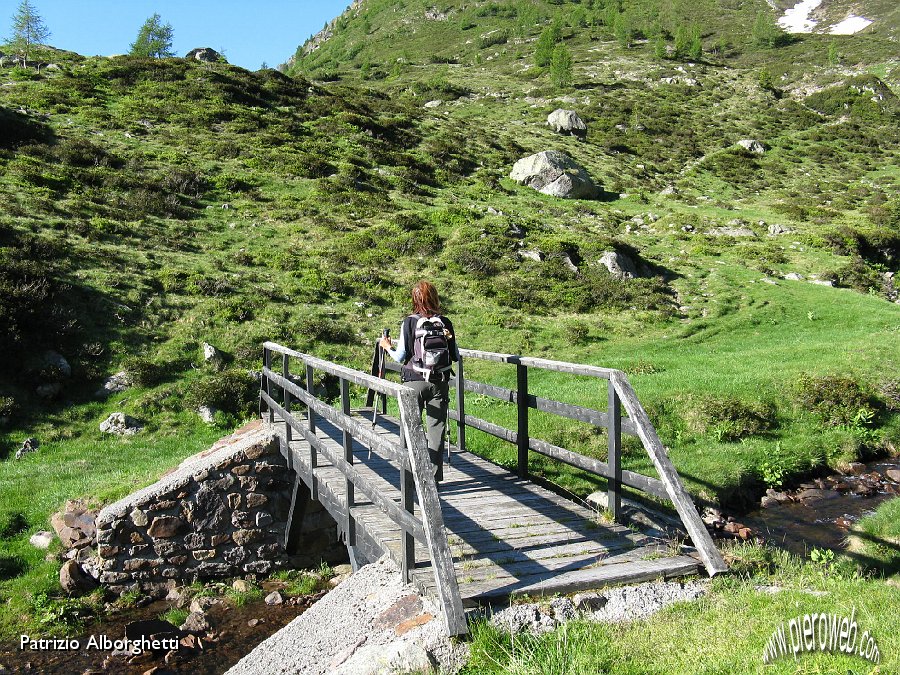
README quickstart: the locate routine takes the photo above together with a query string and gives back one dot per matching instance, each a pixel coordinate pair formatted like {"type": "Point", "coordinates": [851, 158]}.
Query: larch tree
{"type": "Point", "coordinates": [29, 31]}
{"type": "Point", "coordinates": [154, 40]}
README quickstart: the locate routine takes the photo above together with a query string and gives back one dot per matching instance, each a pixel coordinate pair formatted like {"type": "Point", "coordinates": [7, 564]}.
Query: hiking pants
{"type": "Point", "coordinates": [434, 399]}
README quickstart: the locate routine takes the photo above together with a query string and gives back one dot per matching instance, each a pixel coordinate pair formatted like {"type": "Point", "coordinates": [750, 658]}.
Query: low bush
{"type": "Point", "coordinates": [727, 418]}
{"type": "Point", "coordinates": [837, 400]}
{"type": "Point", "coordinates": [232, 391]}
{"type": "Point", "coordinates": [143, 372]}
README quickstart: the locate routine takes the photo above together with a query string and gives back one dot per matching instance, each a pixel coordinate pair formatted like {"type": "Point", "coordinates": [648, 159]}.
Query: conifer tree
{"type": "Point", "coordinates": [28, 30]}
{"type": "Point", "coordinates": [154, 40]}
{"type": "Point", "coordinates": [561, 67]}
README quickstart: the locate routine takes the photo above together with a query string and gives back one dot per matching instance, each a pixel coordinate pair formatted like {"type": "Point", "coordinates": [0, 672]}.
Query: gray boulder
{"type": "Point", "coordinates": [619, 265]}
{"type": "Point", "coordinates": [567, 122]}
{"type": "Point", "coordinates": [114, 384]}
{"type": "Point", "coordinates": [120, 424]}
{"type": "Point", "coordinates": [752, 146]}
{"type": "Point", "coordinates": [556, 174]}
{"type": "Point", "coordinates": [205, 54]}
{"type": "Point", "coordinates": [55, 362]}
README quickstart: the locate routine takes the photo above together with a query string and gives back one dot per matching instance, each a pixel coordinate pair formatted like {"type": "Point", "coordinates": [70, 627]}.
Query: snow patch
{"type": "Point", "coordinates": [796, 19]}
{"type": "Point", "coordinates": [851, 25]}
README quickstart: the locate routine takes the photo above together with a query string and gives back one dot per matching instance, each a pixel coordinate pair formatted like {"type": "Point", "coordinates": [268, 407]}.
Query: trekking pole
{"type": "Point", "coordinates": [385, 332]}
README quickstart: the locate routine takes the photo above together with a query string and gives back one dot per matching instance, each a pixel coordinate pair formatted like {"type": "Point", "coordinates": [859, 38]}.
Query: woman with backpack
{"type": "Point", "coordinates": [427, 350]}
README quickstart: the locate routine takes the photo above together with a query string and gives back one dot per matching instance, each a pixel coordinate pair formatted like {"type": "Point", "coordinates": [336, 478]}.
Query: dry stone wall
{"type": "Point", "coordinates": [220, 514]}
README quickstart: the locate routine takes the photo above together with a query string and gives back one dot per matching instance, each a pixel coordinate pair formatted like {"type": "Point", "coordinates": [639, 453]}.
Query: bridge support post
{"type": "Point", "coordinates": [460, 410]}
{"type": "Point", "coordinates": [614, 459]}
{"type": "Point", "coordinates": [286, 372]}
{"type": "Point", "coordinates": [311, 419]}
{"type": "Point", "coordinates": [348, 456]}
{"type": "Point", "coordinates": [522, 429]}
{"type": "Point", "coordinates": [407, 499]}
{"type": "Point", "coordinates": [299, 502]}
{"type": "Point", "coordinates": [267, 362]}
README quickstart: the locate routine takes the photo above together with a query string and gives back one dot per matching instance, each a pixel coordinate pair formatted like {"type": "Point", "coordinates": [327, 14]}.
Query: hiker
{"type": "Point", "coordinates": [427, 350]}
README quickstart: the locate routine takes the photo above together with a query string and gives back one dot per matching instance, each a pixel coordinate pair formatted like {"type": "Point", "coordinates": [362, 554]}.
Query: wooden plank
{"type": "Point", "coordinates": [520, 569]}
{"type": "Point", "coordinates": [355, 376]}
{"type": "Point", "coordinates": [447, 587]}
{"type": "Point", "coordinates": [488, 427]}
{"type": "Point", "coordinates": [545, 364]}
{"type": "Point", "coordinates": [712, 559]}
{"type": "Point", "coordinates": [343, 422]}
{"type": "Point", "coordinates": [396, 514]}
{"type": "Point", "coordinates": [583, 580]}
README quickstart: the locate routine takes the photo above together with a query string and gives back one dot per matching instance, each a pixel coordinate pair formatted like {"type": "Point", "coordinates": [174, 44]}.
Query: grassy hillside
{"type": "Point", "coordinates": [149, 206]}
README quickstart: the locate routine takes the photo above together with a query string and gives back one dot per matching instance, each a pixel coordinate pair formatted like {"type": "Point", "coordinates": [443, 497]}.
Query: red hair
{"type": "Point", "coordinates": [425, 299]}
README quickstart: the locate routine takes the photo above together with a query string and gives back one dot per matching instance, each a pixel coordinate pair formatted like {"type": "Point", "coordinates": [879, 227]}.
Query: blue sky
{"type": "Point", "coordinates": [249, 32]}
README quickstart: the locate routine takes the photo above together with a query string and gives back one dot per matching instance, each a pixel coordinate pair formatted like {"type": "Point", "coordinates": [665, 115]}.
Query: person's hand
{"type": "Point", "coordinates": [385, 343]}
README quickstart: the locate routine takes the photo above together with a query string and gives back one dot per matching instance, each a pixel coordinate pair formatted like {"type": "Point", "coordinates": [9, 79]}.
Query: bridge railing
{"type": "Point", "coordinates": [621, 398]}
{"type": "Point", "coordinates": [410, 456]}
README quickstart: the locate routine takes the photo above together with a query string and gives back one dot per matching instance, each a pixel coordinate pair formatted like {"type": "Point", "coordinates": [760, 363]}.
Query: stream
{"type": "Point", "coordinates": [235, 632]}
{"type": "Point", "coordinates": [820, 513]}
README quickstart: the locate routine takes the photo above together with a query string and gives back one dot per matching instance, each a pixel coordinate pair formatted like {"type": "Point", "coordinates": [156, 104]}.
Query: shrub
{"type": "Point", "coordinates": [577, 332]}
{"type": "Point", "coordinates": [231, 391]}
{"type": "Point", "coordinates": [837, 400]}
{"type": "Point", "coordinates": [497, 37]}
{"type": "Point", "coordinates": [728, 418]}
{"type": "Point", "coordinates": [142, 372]}
{"type": "Point", "coordinates": [8, 407]}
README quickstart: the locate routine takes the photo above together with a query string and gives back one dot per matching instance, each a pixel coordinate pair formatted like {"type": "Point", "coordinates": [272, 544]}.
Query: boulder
{"type": "Point", "coordinates": [619, 265]}
{"type": "Point", "coordinates": [54, 365]}
{"type": "Point", "coordinates": [114, 384]}
{"type": "Point", "coordinates": [196, 622]}
{"type": "Point", "coordinates": [73, 579]}
{"type": "Point", "coordinates": [752, 146]}
{"type": "Point", "coordinates": [75, 525]}
{"type": "Point", "coordinates": [740, 231]}
{"type": "Point", "coordinates": [212, 355]}
{"type": "Point", "coordinates": [205, 54]}
{"type": "Point", "coordinates": [274, 598]}
{"type": "Point", "coordinates": [556, 174]}
{"type": "Point", "coordinates": [120, 424]}
{"type": "Point", "coordinates": [433, 104]}
{"type": "Point", "coordinates": [567, 122]}
{"type": "Point", "coordinates": [207, 413]}
{"type": "Point", "coordinates": [775, 229]}
{"type": "Point", "coordinates": [41, 540]}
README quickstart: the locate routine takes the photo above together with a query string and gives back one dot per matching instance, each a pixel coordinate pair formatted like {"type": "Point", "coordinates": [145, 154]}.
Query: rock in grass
{"type": "Point", "coordinates": [619, 265]}
{"type": "Point", "coordinates": [556, 174]}
{"type": "Point", "coordinates": [567, 122]}
{"type": "Point", "coordinates": [120, 424]}
{"type": "Point", "coordinates": [752, 146]}
{"type": "Point", "coordinates": [41, 540]}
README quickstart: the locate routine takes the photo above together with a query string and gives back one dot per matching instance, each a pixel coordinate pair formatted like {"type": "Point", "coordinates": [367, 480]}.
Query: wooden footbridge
{"type": "Point", "coordinates": [481, 532]}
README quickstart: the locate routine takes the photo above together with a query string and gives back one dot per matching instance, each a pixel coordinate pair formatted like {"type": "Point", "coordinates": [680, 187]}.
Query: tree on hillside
{"type": "Point", "coordinates": [767, 33]}
{"type": "Point", "coordinates": [561, 67]}
{"type": "Point", "coordinates": [154, 40]}
{"type": "Point", "coordinates": [28, 31]}
{"type": "Point", "coordinates": [546, 43]}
